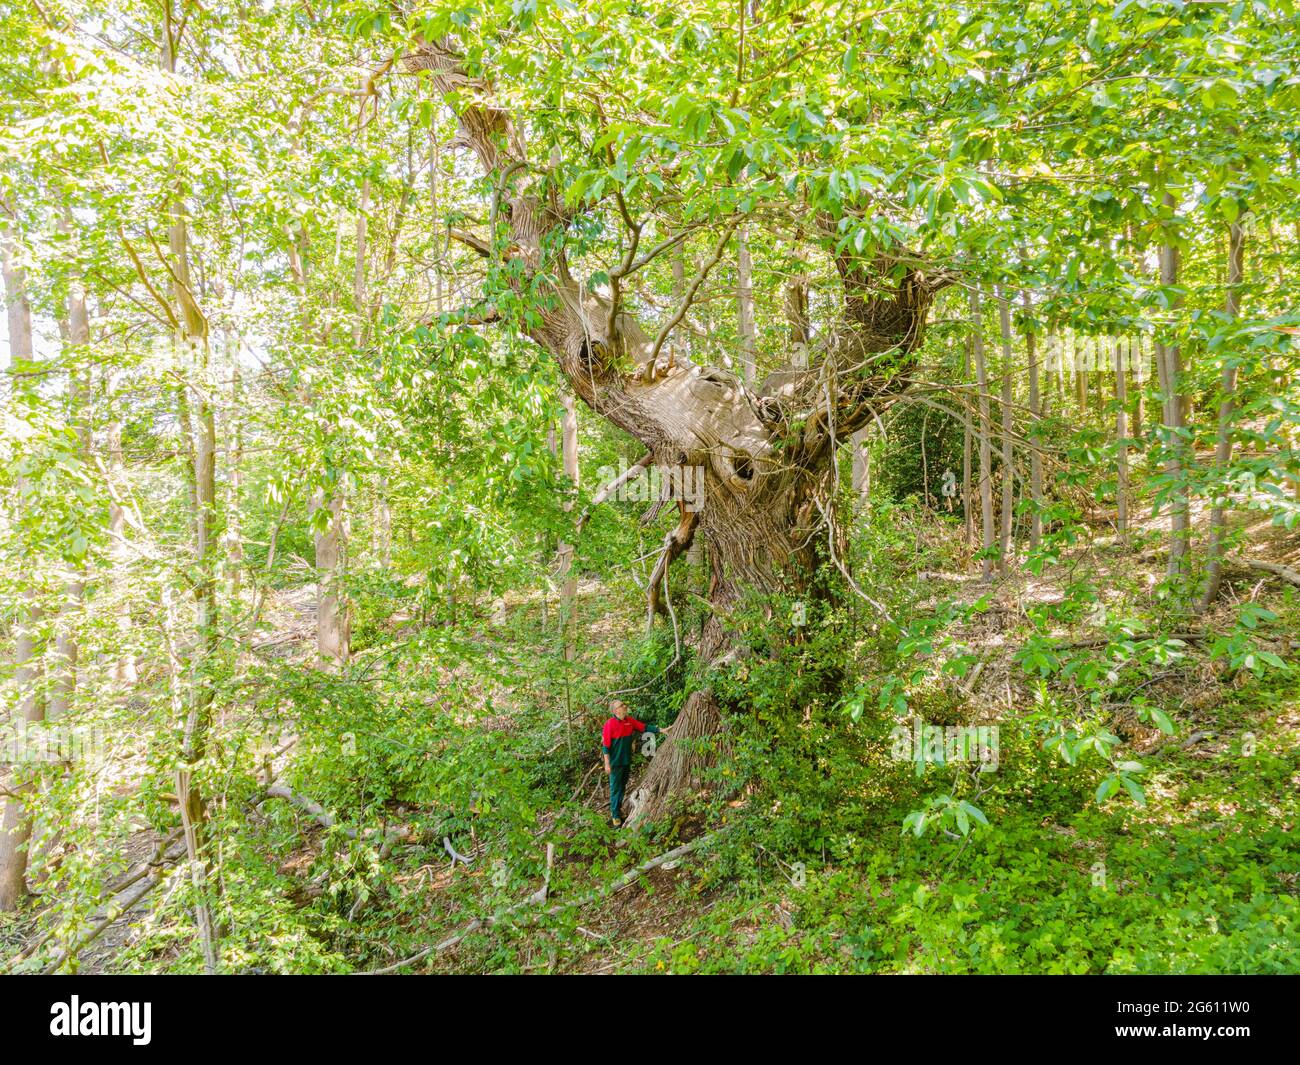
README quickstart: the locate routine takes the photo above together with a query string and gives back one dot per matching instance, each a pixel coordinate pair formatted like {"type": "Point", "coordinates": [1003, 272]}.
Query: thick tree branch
{"type": "Point", "coordinates": [482, 247]}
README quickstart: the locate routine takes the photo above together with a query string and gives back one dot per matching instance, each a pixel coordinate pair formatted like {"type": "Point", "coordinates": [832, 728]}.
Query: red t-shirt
{"type": "Point", "coordinates": [616, 738]}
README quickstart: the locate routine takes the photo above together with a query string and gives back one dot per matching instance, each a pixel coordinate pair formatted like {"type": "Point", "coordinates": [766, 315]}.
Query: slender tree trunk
{"type": "Point", "coordinates": [1138, 359]}
{"type": "Point", "coordinates": [64, 685]}
{"type": "Point", "coordinates": [967, 442]}
{"type": "Point", "coordinates": [1080, 357]}
{"type": "Point", "coordinates": [1062, 371]}
{"type": "Point", "coordinates": [796, 315]}
{"type": "Point", "coordinates": [383, 508]}
{"type": "Point", "coordinates": [1169, 359]}
{"type": "Point", "coordinates": [384, 523]}
{"type": "Point", "coordinates": [1005, 546]}
{"type": "Point", "coordinates": [1036, 417]}
{"type": "Point", "coordinates": [124, 670]}
{"type": "Point", "coordinates": [745, 307]}
{"type": "Point", "coordinates": [1100, 363]}
{"type": "Point", "coordinates": [861, 466]}
{"type": "Point", "coordinates": [29, 705]}
{"type": "Point", "coordinates": [566, 572]}
{"type": "Point", "coordinates": [1227, 411]}
{"type": "Point", "coordinates": [986, 434]}
{"type": "Point", "coordinates": [234, 538]}
{"type": "Point", "coordinates": [16, 821]}
{"type": "Point", "coordinates": [332, 636]}
{"type": "Point", "coordinates": [194, 353]}
{"type": "Point", "coordinates": [1121, 447]}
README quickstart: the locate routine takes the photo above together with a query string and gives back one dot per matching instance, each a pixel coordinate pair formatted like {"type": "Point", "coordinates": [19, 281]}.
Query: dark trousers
{"type": "Point", "coordinates": [617, 785]}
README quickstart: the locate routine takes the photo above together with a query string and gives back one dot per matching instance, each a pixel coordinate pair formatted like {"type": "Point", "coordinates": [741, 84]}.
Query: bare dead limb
{"type": "Point", "coordinates": [456, 856]}
{"type": "Point", "coordinates": [539, 896]}
{"type": "Point", "coordinates": [1286, 573]}
{"type": "Point", "coordinates": [477, 244]}
{"type": "Point", "coordinates": [483, 314]}
{"type": "Point", "coordinates": [607, 490]}
{"type": "Point", "coordinates": [675, 542]}
{"type": "Point", "coordinates": [689, 296]}
{"type": "Point", "coordinates": [317, 812]}
{"type": "Point", "coordinates": [117, 909]}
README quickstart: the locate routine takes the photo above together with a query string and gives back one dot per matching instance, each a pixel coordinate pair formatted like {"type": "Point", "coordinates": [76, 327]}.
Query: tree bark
{"type": "Point", "coordinates": [683, 347]}
{"type": "Point", "coordinates": [64, 685]}
{"type": "Point", "coordinates": [745, 307]}
{"type": "Point", "coordinates": [333, 642]}
{"type": "Point", "coordinates": [124, 669]}
{"type": "Point", "coordinates": [29, 706]}
{"type": "Point", "coordinates": [967, 445]}
{"type": "Point", "coordinates": [234, 535]}
{"type": "Point", "coordinates": [1080, 357]}
{"type": "Point", "coordinates": [1121, 447]}
{"type": "Point", "coordinates": [1036, 418]}
{"type": "Point", "coordinates": [1138, 359]}
{"type": "Point", "coordinates": [1169, 361]}
{"type": "Point", "coordinates": [194, 354]}
{"type": "Point", "coordinates": [1227, 411]}
{"type": "Point", "coordinates": [1005, 546]}
{"type": "Point", "coordinates": [985, 435]}
{"type": "Point", "coordinates": [565, 571]}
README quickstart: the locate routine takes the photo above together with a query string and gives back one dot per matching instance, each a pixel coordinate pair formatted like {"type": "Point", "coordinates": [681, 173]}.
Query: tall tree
{"type": "Point", "coordinates": [745, 307]}
{"type": "Point", "coordinates": [987, 540]}
{"type": "Point", "coordinates": [1035, 421]}
{"type": "Point", "coordinates": [1005, 545]}
{"type": "Point", "coordinates": [766, 459]}
{"type": "Point", "coordinates": [1121, 445]}
{"type": "Point", "coordinates": [567, 575]}
{"type": "Point", "coordinates": [1169, 363]}
{"type": "Point", "coordinates": [29, 709]}
{"type": "Point", "coordinates": [1227, 412]}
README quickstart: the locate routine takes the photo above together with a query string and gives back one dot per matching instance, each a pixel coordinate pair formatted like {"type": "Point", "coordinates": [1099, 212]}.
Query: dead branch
{"type": "Point", "coordinates": [539, 896]}
{"type": "Point", "coordinates": [626, 477]}
{"type": "Point", "coordinates": [456, 856]}
{"type": "Point", "coordinates": [116, 910]}
{"type": "Point", "coordinates": [1286, 573]}
{"type": "Point", "coordinates": [689, 296]}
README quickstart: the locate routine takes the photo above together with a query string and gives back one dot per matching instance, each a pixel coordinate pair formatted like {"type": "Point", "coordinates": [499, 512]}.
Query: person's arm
{"type": "Point", "coordinates": [604, 746]}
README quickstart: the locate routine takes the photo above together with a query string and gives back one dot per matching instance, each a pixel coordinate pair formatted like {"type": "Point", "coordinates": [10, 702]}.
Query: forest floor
{"type": "Point", "coordinates": [1203, 876]}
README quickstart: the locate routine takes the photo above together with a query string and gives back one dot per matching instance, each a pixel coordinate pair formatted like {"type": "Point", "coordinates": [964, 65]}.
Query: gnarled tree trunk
{"type": "Point", "coordinates": [763, 459]}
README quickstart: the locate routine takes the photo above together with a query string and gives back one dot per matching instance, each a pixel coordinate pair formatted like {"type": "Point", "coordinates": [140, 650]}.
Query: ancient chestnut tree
{"type": "Point", "coordinates": [767, 450]}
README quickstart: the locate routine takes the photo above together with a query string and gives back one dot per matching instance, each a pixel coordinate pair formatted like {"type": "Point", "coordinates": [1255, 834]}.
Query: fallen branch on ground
{"type": "Point", "coordinates": [1101, 641]}
{"type": "Point", "coordinates": [456, 856]}
{"type": "Point", "coordinates": [327, 820]}
{"type": "Point", "coordinates": [119, 907]}
{"type": "Point", "coordinates": [1276, 569]}
{"type": "Point", "coordinates": [539, 896]}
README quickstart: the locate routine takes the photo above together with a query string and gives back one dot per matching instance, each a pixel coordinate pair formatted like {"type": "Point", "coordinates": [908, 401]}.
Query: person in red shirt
{"type": "Point", "coordinates": [616, 741]}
